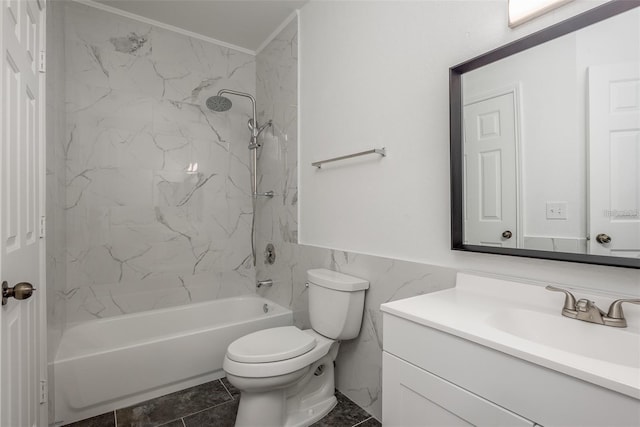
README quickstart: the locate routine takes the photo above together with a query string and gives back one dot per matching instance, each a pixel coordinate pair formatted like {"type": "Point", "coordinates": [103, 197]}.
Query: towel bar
{"type": "Point", "coordinates": [381, 151]}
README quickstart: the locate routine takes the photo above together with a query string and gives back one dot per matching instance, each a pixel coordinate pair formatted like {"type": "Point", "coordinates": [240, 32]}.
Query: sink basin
{"type": "Point", "coordinates": [607, 344]}
{"type": "Point", "coordinates": [524, 321]}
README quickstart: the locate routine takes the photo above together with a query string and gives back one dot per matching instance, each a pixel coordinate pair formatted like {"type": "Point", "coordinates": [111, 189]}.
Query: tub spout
{"type": "Point", "coordinates": [264, 283]}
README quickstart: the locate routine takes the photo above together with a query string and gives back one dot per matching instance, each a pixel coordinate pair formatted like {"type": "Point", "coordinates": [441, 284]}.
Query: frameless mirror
{"type": "Point", "coordinates": [545, 143]}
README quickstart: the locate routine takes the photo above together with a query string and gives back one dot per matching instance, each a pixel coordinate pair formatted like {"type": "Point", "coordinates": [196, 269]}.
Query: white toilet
{"type": "Point", "coordinates": [285, 374]}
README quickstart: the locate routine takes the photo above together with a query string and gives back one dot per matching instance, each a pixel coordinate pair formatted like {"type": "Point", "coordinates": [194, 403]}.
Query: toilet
{"type": "Point", "coordinates": [286, 375]}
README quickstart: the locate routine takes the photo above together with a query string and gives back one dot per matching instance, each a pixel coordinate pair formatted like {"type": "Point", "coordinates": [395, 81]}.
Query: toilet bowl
{"type": "Point", "coordinates": [286, 375]}
{"type": "Point", "coordinates": [266, 386]}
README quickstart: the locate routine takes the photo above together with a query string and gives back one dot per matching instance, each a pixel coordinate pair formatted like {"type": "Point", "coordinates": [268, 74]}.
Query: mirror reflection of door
{"type": "Point", "coordinates": [490, 172]}
{"type": "Point", "coordinates": [614, 159]}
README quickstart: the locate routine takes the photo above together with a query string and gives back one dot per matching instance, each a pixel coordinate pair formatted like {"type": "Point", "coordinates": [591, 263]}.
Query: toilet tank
{"type": "Point", "coordinates": [336, 303]}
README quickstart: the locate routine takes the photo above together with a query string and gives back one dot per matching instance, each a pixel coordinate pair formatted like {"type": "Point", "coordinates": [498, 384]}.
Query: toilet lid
{"type": "Point", "coordinates": [271, 345]}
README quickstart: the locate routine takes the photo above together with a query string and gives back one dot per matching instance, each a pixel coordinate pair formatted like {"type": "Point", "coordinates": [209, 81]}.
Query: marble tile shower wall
{"type": "Point", "coordinates": [56, 275]}
{"type": "Point", "coordinates": [158, 203]}
{"type": "Point", "coordinates": [277, 99]}
{"type": "Point", "coordinates": [359, 363]}
{"type": "Point", "coordinates": [56, 176]}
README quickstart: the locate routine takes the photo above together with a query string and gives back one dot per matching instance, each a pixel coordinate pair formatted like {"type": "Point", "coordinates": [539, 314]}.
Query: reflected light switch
{"type": "Point", "coordinates": [557, 210]}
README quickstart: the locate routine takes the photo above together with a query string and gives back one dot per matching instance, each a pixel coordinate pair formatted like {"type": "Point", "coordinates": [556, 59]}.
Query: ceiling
{"type": "Point", "coordinates": [243, 23]}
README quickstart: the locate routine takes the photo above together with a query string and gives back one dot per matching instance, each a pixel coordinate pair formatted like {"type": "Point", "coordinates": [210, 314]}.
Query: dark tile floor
{"type": "Point", "coordinates": [212, 404]}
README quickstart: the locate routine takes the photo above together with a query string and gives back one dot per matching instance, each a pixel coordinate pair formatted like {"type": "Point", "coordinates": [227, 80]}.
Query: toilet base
{"type": "Point", "coordinates": [307, 416]}
{"type": "Point", "coordinates": [314, 396]}
{"type": "Point", "coordinates": [299, 405]}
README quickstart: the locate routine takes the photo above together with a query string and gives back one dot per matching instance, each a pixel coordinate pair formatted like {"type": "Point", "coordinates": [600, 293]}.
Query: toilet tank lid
{"type": "Point", "coordinates": [334, 280]}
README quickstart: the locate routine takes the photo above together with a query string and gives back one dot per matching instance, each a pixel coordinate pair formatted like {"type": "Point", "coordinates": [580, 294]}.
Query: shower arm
{"type": "Point", "coordinates": [253, 144]}
{"type": "Point", "coordinates": [254, 127]}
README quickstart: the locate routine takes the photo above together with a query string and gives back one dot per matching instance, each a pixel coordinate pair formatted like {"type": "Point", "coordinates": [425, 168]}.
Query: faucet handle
{"type": "Point", "coordinates": [569, 301]}
{"type": "Point", "coordinates": [615, 310]}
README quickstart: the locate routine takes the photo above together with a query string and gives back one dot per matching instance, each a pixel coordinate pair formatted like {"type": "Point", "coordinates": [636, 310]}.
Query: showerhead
{"type": "Point", "coordinates": [219, 103]}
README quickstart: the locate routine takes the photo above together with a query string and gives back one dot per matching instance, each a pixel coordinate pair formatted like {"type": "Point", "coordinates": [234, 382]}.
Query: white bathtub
{"type": "Point", "coordinates": [105, 364]}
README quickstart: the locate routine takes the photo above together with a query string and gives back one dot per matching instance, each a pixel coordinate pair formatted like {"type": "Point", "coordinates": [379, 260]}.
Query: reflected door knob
{"type": "Point", "coordinates": [603, 238]}
{"type": "Point", "coordinates": [22, 290]}
{"type": "Point", "coordinates": [507, 234]}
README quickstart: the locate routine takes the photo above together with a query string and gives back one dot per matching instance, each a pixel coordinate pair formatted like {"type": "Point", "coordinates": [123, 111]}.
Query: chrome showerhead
{"type": "Point", "coordinates": [219, 103]}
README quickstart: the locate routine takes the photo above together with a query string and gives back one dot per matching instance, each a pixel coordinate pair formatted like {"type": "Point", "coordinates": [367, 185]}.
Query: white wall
{"type": "Point", "coordinates": [376, 74]}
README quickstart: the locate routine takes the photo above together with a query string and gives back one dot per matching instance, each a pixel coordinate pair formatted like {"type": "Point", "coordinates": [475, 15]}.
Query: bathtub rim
{"type": "Point", "coordinates": [279, 310]}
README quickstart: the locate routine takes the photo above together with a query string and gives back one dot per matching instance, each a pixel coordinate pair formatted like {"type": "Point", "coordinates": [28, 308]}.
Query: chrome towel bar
{"type": "Point", "coordinates": [381, 151]}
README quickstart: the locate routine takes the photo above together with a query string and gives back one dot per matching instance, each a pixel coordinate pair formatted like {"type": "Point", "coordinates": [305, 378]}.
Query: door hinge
{"type": "Point", "coordinates": [43, 226]}
{"type": "Point", "coordinates": [42, 62]}
{"type": "Point", "coordinates": [43, 391]}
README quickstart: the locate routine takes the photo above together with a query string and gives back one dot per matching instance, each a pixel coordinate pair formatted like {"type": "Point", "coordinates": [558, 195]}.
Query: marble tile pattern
{"type": "Point", "coordinates": [277, 100]}
{"type": "Point", "coordinates": [213, 404]}
{"type": "Point", "coordinates": [276, 218]}
{"type": "Point", "coordinates": [359, 363]}
{"type": "Point", "coordinates": [158, 207]}
{"type": "Point", "coordinates": [56, 171]}
{"type": "Point", "coordinates": [56, 275]}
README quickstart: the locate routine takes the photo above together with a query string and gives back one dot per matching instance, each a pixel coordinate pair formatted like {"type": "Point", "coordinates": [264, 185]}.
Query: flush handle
{"type": "Point", "coordinates": [20, 291]}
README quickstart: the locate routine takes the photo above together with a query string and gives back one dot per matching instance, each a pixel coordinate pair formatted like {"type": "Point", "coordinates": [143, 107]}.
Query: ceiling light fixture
{"type": "Point", "coordinates": [521, 11]}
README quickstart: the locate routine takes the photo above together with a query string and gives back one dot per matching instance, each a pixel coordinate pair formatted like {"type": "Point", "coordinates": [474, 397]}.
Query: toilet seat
{"type": "Point", "coordinates": [281, 367]}
{"type": "Point", "coordinates": [271, 345]}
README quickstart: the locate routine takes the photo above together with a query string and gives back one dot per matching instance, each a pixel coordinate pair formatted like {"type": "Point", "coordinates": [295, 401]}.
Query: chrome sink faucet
{"type": "Point", "coordinates": [587, 311]}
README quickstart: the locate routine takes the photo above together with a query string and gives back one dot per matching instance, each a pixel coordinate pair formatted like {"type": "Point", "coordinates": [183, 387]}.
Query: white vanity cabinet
{"type": "Point", "coordinates": [431, 378]}
{"type": "Point", "coordinates": [415, 397]}
{"type": "Point", "coordinates": [447, 368]}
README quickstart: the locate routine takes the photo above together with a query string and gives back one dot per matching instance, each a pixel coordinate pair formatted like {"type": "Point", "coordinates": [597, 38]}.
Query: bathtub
{"type": "Point", "coordinates": [111, 363]}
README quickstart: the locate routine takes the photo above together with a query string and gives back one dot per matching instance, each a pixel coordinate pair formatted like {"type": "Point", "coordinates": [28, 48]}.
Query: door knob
{"type": "Point", "coordinates": [603, 238]}
{"type": "Point", "coordinates": [507, 234]}
{"type": "Point", "coordinates": [22, 290]}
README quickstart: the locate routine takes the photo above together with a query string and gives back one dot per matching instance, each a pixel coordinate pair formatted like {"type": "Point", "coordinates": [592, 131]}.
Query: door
{"type": "Point", "coordinates": [490, 172]}
{"type": "Point", "coordinates": [614, 159]}
{"type": "Point", "coordinates": [21, 22]}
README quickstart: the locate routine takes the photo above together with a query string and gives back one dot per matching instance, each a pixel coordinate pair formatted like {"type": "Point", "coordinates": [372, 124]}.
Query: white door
{"type": "Point", "coordinates": [614, 159]}
{"type": "Point", "coordinates": [20, 210]}
{"type": "Point", "coordinates": [490, 172]}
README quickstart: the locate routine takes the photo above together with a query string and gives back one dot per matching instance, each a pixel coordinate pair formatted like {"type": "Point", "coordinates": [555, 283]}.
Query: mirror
{"type": "Point", "coordinates": [545, 143]}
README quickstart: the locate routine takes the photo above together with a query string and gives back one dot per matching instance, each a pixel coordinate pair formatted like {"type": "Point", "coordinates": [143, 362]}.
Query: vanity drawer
{"type": "Point", "coordinates": [415, 397]}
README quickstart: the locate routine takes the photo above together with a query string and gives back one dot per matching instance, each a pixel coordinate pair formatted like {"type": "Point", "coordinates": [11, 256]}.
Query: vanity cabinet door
{"type": "Point", "coordinates": [415, 397]}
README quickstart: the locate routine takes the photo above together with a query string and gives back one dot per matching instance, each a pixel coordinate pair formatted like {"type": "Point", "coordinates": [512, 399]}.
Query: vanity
{"type": "Point", "coordinates": [493, 352]}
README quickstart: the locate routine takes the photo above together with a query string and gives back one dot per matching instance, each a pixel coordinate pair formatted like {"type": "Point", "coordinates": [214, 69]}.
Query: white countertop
{"type": "Point", "coordinates": [525, 321]}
